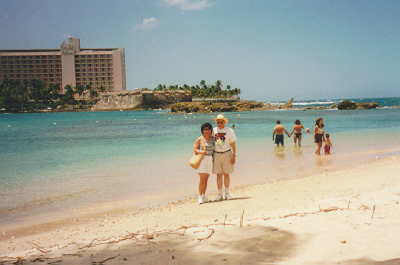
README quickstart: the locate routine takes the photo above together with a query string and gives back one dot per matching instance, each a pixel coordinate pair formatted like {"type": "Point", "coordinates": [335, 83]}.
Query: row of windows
{"type": "Point", "coordinates": [32, 71]}
{"type": "Point", "coordinates": [96, 85]}
{"type": "Point", "coordinates": [82, 61]}
{"type": "Point", "coordinates": [30, 59]}
{"type": "Point", "coordinates": [94, 68]}
{"type": "Point", "coordinates": [90, 72]}
{"type": "Point", "coordinates": [32, 62]}
{"type": "Point", "coordinates": [18, 57]}
{"type": "Point", "coordinates": [84, 82]}
{"type": "Point", "coordinates": [93, 74]}
{"type": "Point", "coordinates": [95, 71]}
{"type": "Point", "coordinates": [93, 56]}
{"type": "Point", "coordinates": [32, 74]}
{"type": "Point", "coordinates": [94, 78]}
{"type": "Point", "coordinates": [50, 79]}
{"type": "Point", "coordinates": [51, 66]}
{"type": "Point", "coordinates": [92, 65]}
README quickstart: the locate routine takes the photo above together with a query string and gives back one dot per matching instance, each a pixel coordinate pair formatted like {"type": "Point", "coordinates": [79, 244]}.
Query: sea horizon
{"type": "Point", "coordinates": [382, 101]}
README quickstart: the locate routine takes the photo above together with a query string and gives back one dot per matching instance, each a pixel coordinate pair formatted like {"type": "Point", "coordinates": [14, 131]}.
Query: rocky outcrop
{"type": "Point", "coordinates": [179, 101]}
{"type": "Point", "coordinates": [288, 105]}
{"type": "Point", "coordinates": [118, 100]}
{"type": "Point", "coordinates": [367, 105]}
{"type": "Point", "coordinates": [350, 105]}
{"type": "Point", "coordinates": [159, 99]}
{"type": "Point", "coordinates": [139, 99]}
{"type": "Point", "coordinates": [346, 105]}
{"type": "Point", "coordinates": [204, 107]}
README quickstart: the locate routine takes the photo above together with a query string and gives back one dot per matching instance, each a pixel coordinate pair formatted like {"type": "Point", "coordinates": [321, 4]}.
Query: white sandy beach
{"type": "Point", "coordinates": [346, 217]}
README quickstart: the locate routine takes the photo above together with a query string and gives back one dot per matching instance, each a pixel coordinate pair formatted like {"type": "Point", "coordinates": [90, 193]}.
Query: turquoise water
{"type": "Point", "coordinates": [52, 162]}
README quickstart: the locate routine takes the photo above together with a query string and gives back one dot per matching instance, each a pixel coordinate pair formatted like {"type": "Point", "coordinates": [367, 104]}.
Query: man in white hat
{"type": "Point", "coordinates": [224, 155]}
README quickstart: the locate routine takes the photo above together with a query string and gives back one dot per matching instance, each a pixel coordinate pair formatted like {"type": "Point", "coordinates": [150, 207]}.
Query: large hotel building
{"type": "Point", "coordinates": [69, 65]}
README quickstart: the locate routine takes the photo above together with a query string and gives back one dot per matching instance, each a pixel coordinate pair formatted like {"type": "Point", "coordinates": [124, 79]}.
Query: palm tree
{"type": "Point", "coordinates": [218, 85]}
{"type": "Point", "coordinates": [80, 90]}
{"type": "Point", "coordinates": [159, 87]}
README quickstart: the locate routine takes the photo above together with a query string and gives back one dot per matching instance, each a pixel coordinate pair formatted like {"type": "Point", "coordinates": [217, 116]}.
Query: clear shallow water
{"type": "Point", "coordinates": [60, 162]}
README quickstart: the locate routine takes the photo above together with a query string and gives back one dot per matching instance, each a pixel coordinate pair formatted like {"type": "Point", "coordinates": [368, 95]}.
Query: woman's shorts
{"type": "Point", "coordinates": [222, 163]}
{"type": "Point", "coordinates": [206, 165]}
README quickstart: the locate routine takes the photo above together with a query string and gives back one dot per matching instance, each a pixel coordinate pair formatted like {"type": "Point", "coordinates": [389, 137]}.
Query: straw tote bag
{"type": "Point", "coordinates": [195, 160]}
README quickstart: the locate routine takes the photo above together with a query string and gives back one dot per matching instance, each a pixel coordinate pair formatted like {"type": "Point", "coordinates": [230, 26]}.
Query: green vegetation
{"type": "Point", "coordinates": [203, 90]}
{"type": "Point", "coordinates": [36, 95]}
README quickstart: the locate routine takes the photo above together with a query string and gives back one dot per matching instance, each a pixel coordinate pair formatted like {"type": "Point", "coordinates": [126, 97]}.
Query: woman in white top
{"type": "Point", "coordinates": [205, 144]}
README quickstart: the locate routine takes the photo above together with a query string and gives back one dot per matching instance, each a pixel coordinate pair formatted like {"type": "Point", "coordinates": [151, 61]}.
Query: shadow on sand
{"type": "Point", "coordinates": [365, 261]}
{"type": "Point", "coordinates": [246, 245]}
{"type": "Point", "coordinates": [231, 245]}
{"type": "Point", "coordinates": [232, 199]}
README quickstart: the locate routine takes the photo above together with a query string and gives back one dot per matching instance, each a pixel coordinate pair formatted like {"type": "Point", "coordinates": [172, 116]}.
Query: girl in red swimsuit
{"type": "Point", "coordinates": [328, 144]}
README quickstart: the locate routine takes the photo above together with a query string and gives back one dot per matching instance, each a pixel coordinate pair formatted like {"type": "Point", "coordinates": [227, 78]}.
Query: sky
{"type": "Point", "coordinates": [270, 49]}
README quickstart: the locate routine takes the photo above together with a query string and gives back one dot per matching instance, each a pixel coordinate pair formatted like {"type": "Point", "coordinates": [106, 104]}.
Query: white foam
{"type": "Point", "coordinates": [314, 103]}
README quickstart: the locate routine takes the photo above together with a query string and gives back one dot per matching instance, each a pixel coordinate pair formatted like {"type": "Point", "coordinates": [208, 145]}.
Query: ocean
{"type": "Point", "coordinates": [383, 102]}
{"type": "Point", "coordinates": [57, 165]}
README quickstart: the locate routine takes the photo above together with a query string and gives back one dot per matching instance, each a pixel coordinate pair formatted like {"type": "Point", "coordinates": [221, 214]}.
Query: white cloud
{"type": "Point", "coordinates": [148, 24]}
{"type": "Point", "coordinates": [189, 4]}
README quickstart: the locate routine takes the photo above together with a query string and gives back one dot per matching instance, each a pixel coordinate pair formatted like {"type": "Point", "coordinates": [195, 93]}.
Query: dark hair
{"type": "Point", "coordinates": [327, 135]}
{"type": "Point", "coordinates": [297, 122]}
{"type": "Point", "coordinates": [318, 121]}
{"type": "Point", "coordinates": [206, 126]}
{"type": "Point", "coordinates": [278, 122]}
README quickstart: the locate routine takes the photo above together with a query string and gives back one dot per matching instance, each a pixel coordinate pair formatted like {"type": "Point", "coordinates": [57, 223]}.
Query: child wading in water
{"type": "Point", "coordinates": [328, 144]}
{"type": "Point", "coordinates": [298, 131]}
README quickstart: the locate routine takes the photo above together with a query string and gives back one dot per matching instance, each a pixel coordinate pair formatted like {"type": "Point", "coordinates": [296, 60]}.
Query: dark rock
{"type": "Point", "coordinates": [367, 105]}
{"type": "Point", "coordinates": [347, 105]}
{"type": "Point", "coordinates": [187, 107]}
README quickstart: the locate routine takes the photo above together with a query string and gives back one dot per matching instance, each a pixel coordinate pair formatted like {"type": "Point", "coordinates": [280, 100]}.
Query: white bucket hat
{"type": "Point", "coordinates": [221, 117]}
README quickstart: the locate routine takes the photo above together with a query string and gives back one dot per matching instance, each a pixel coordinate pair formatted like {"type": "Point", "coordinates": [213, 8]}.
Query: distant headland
{"type": "Point", "coordinates": [37, 96]}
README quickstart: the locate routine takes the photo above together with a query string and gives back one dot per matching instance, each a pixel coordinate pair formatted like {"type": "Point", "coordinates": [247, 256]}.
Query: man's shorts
{"type": "Point", "coordinates": [222, 163]}
{"type": "Point", "coordinates": [279, 139]}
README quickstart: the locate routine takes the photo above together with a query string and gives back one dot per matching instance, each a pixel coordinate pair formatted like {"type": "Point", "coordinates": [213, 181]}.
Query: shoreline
{"type": "Point", "coordinates": [97, 210]}
{"type": "Point", "coordinates": [93, 210]}
{"type": "Point", "coordinates": [259, 202]}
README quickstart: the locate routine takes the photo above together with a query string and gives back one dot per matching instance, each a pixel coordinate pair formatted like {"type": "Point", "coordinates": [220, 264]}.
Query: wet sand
{"type": "Point", "coordinates": [350, 216]}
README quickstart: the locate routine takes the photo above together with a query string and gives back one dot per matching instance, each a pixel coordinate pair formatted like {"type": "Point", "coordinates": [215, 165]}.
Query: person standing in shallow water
{"type": "Point", "coordinates": [298, 131]}
{"type": "Point", "coordinates": [224, 156]}
{"type": "Point", "coordinates": [204, 145]}
{"type": "Point", "coordinates": [319, 135]}
{"type": "Point", "coordinates": [278, 134]}
{"type": "Point", "coordinates": [328, 144]}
